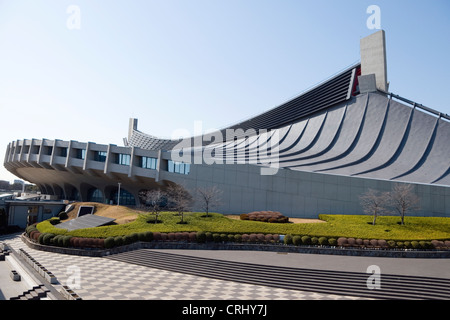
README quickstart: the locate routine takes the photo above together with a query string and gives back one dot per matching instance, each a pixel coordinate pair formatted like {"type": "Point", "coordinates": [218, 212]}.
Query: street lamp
{"type": "Point", "coordinates": [118, 195]}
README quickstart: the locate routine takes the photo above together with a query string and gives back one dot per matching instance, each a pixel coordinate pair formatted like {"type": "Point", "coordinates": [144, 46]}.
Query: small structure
{"type": "Point", "coordinates": [86, 221]}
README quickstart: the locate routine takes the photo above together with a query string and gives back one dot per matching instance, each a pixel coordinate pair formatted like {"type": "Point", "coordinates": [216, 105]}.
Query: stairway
{"type": "Point", "coordinates": [36, 293]}
{"type": "Point", "coordinates": [320, 281]}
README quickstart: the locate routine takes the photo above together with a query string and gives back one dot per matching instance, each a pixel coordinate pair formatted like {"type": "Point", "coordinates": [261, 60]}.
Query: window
{"type": "Point", "coordinates": [126, 198]}
{"type": "Point", "coordinates": [80, 154]}
{"type": "Point", "coordinates": [123, 159]}
{"type": "Point", "coordinates": [62, 152]}
{"type": "Point", "coordinates": [149, 163]}
{"type": "Point", "coordinates": [95, 195]}
{"type": "Point", "coordinates": [179, 167]}
{"type": "Point", "coordinates": [100, 156]}
{"type": "Point", "coordinates": [48, 150]}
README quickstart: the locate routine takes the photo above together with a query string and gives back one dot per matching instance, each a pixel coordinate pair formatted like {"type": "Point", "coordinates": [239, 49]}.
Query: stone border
{"type": "Point", "coordinates": [392, 253]}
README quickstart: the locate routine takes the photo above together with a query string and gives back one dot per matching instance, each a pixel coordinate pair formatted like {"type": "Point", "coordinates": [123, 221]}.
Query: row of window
{"type": "Point", "coordinates": [123, 159]}
{"type": "Point", "coordinates": [178, 167]}
{"type": "Point", "coordinates": [126, 198]}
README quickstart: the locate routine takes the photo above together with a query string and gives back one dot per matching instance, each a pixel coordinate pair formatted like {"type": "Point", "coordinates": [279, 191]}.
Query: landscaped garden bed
{"type": "Point", "coordinates": [343, 231]}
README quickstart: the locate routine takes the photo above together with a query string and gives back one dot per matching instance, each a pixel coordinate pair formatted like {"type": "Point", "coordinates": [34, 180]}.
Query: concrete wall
{"type": "Point", "coordinates": [299, 194]}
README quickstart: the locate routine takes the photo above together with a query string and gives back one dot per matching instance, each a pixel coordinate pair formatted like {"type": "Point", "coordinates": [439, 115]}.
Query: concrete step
{"type": "Point", "coordinates": [321, 281]}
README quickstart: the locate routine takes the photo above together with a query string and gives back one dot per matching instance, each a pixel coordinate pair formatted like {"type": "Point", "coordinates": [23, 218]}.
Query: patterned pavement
{"type": "Point", "coordinates": [95, 278]}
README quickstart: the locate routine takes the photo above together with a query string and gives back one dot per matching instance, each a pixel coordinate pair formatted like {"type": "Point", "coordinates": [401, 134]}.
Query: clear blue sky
{"type": "Point", "coordinates": [170, 63]}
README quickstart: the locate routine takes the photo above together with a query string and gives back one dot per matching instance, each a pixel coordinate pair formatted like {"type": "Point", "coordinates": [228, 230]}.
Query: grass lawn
{"type": "Point", "coordinates": [356, 226]}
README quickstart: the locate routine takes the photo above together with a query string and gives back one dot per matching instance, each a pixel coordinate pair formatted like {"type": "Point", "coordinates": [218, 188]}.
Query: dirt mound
{"type": "Point", "coordinates": [120, 213]}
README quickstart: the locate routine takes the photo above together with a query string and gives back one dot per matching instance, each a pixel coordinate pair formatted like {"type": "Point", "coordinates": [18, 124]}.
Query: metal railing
{"type": "Point", "coordinates": [420, 106]}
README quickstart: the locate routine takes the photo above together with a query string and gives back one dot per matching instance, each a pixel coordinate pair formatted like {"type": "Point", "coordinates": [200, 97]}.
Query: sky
{"type": "Point", "coordinates": [80, 69]}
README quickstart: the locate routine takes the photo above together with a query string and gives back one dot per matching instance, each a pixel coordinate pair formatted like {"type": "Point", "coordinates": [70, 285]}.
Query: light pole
{"type": "Point", "coordinates": [118, 195]}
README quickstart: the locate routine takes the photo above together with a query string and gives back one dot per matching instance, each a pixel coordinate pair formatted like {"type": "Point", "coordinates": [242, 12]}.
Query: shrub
{"type": "Point", "coordinates": [253, 237]}
{"type": "Point", "coordinates": [306, 240]}
{"type": "Point", "coordinates": [288, 239]}
{"type": "Point", "coordinates": [373, 242]}
{"type": "Point", "coordinates": [276, 237]}
{"type": "Point", "coordinates": [41, 238]}
{"type": "Point", "coordinates": [342, 241]}
{"type": "Point", "coordinates": [231, 238]}
{"type": "Point", "coordinates": [407, 244]}
{"type": "Point", "coordinates": [164, 236]}
{"type": "Point", "coordinates": [400, 244]}
{"type": "Point", "coordinates": [118, 241]}
{"type": "Point", "coordinates": [314, 240]}
{"type": "Point", "coordinates": [332, 242]}
{"type": "Point", "coordinates": [209, 236]}
{"type": "Point", "coordinates": [148, 236]}
{"type": "Point", "coordinates": [260, 237]}
{"type": "Point", "coordinates": [297, 240]}
{"type": "Point", "coordinates": [359, 242]}
{"type": "Point", "coordinates": [437, 243]}
{"type": "Point", "coordinates": [323, 241]}
{"type": "Point", "coordinates": [237, 238]}
{"type": "Point", "coordinates": [30, 229]}
{"type": "Point", "coordinates": [34, 234]}
{"type": "Point", "coordinates": [60, 240]}
{"type": "Point", "coordinates": [109, 242]}
{"type": "Point", "coordinates": [268, 238]}
{"type": "Point", "coordinates": [141, 236]}
{"type": "Point", "coordinates": [391, 244]}
{"type": "Point", "coordinates": [245, 237]}
{"type": "Point", "coordinates": [47, 238]}
{"type": "Point", "coordinates": [423, 245]}
{"type": "Point", "coordinates": [54, 220]}
{"type": "Point", "coordinates": [447, 243]}
{"type": "Point", "coordinates": [415, 244]}
{"type": "Point", "coordinates": [223, 237]}
{"type": "Point", "coordinates": [171, 236]}
{"type": "Point", "coordinates": [351, 241]}
{"type": "Point", "coordinates": [192, 236]}
{"type": "Point", "coordinates": [201, 237]}
{"type": "Point", "coordinates": [216, 237]}
{"type": "Point", "coordinates": [134, 237]}
{"type": "Point", "coordinates": [382, 243]}
{"type": "Point", "coordinates": [127, 239]}
{"type": "Point", "coordinates": [157, 236]}
{"type": "Point", "coordinates": [366, 242]}
{"type": "Point", "coordinates": [178, 236]}
{"type": "Point", "coordinates": [265, 216]}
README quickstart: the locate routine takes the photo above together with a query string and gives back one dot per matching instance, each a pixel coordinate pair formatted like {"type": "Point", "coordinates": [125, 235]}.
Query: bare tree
{"type": "Point", "coordinates": [179, 199]}
{"type": "Point", "coordinates": [403, 199]}
{"type": "Point", "coordinates": [210, 197]}
{"type": "Point", "coordinates": [153, 199]}
{"type": "Point", "coordinates": [374, 203]}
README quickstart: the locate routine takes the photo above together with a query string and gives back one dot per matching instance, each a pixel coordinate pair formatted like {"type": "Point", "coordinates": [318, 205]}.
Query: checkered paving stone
{"type": "Point", "coordinates": [105, 279]}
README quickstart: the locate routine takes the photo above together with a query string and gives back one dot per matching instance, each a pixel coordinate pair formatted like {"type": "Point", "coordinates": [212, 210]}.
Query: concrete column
{"type": "Point", "coordinates": [373, 58]}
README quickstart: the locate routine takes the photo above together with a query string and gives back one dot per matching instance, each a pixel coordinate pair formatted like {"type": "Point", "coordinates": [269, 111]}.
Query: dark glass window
{"type": "Point", "coordinates": [126, 198]}
{"type": "Point", "coordinates": [95, 195]}
{"type": "Point", "coordinates": [80, 154]}
{"type": "Point", "coordinates": [100, 156]}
